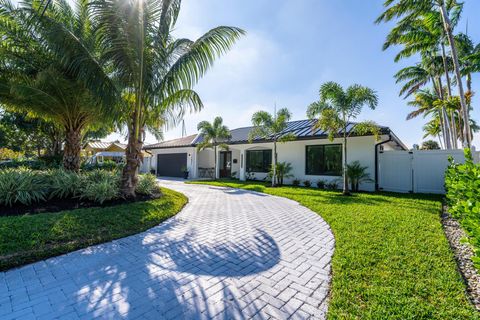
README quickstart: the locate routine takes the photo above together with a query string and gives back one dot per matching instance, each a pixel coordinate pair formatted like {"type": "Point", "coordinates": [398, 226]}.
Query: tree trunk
{"type": "Point", "coordinates": [133, 155]}
{"type": "Point", "coordinates": [453, 127]}
{"type": "Point", "coordinates": [73, 146]}
{"type": "Point", "coordinates": [444, 117]}
{"type": "Point", "coordinates": [274, 177]}
{"type": "Point", "coordinates": [215, 157]}
{"type": "Point", "coordinates": [346, 192]}
{"type": "Point", "coordinates": [456, 65]}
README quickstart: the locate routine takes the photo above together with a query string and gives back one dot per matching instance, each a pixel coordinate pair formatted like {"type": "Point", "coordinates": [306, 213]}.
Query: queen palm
{"type": "Point", "coordinates": [38, 80]}
{"type": "Point", "coordinates": [336, 110]}
{"type": "Point", "coordinates": [214, 136]}
{"type": "Point", "coordinates": [409, 10]}
{"type": "Point", "coordinates": [271, 127]}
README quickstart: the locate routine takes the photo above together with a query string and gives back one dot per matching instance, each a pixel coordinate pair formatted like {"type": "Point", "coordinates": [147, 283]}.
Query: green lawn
{"type": "Point", "coordinates": [391, 261]}
{"type": "Point", "coordinates": [30, 238]}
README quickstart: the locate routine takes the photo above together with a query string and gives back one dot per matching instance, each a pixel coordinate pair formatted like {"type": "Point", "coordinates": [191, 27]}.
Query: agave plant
{"type": "Point", "coordinates": [357, 174]}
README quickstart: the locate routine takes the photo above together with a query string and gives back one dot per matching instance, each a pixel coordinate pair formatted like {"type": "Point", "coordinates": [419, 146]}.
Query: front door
{"type": "Point", "coordinates": [225, 164]}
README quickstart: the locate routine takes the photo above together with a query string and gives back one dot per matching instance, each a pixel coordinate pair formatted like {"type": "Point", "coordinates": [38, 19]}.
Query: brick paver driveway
{"type": "Point", "coordinates": [230, 254]}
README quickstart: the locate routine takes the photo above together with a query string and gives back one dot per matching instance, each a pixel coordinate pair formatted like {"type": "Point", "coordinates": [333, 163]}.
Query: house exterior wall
{"type": "Point", "coordinates": [360, 149]}
{"type": "Point", "coordinates": [191, 158]}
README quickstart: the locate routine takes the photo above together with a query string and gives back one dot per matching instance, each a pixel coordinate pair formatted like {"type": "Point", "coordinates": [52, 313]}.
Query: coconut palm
{"type": "Point", "coordinates": [407, 11]}
{"type": "Point", "coordinates": [335, 111]}
{"type": "Point", "coordinates": [38, 80]}
{"type": "Point", "coordinates": [154, 71]}
{"type": "Point", "coordinates": [272, 127]}
{"type": "Point", "coordinates": [214, 136]}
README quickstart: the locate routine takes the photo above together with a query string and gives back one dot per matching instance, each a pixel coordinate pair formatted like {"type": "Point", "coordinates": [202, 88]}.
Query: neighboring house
{"type": "Point", "coordinates": [312, 155]}
{"type": "Point", "coordinates": [99, 151]}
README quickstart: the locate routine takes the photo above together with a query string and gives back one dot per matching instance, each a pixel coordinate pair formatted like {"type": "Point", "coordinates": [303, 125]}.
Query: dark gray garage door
{"type": "Point", "coordinates": [171, 164]}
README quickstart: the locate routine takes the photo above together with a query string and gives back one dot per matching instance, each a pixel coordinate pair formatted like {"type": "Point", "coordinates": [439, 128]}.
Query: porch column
{"type": "Point", "coordinates": [242, 164]}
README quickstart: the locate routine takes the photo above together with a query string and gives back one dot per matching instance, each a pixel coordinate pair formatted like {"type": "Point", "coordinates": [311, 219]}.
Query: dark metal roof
{"type": "Point", "coordinates": [302, 129]}
{"type": "Point", "coordinates": [176, 143]}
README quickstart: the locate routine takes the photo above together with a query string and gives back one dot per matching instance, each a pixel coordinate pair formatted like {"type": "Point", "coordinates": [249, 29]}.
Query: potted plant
{"type": "Point", "coordinates": [185, 172]}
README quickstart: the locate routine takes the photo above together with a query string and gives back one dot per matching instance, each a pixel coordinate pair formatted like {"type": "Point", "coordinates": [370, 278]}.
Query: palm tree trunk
{"type": "Point", "coordinates": [456, 65]}
{"type": "Point", "coordinates": [133, 155]}
{"type": "Point", "coordinates": [215, 159]}
{"type": "Point", "coordinates": [274, 177]}
{"type": "Point", "coordinates": [73, 146]}
{"type": "Point", "coordinates": [444, 117]}
{"type": "Point", "coordinates": [346, 192]}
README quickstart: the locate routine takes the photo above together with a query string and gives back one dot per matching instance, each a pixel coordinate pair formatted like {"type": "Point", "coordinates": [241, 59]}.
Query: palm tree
{"type": "Point", "coordinates": [37, 80]}
{"type": "Point", "coordinates": [409, 10]}
{"type": "Point", "coordinates": [335, 111]}
{"type": "Point", "coordinates": [283, 171]}
{"type": "Point", "coordinates": [271, 127]}
{"type": "Point", "coordinates": [154, 71]}
{"type": "Point", "coordinates": [214, 135]}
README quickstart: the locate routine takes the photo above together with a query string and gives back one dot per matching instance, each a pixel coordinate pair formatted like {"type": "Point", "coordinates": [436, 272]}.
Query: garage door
{"type": "Point", "coordinates": [171, 164]}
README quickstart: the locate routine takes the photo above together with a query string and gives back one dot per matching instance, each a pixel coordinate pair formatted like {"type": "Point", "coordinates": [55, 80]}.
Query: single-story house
{"type": "Point", "coordinates": [312, 155]}
{"type": "Point", "coordinates": [98, 151]}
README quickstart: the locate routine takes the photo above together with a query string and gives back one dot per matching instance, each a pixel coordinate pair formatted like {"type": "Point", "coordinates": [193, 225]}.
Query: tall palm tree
{"type": "Point", "coordinates": [36, 79]}
{"type": "Point", "coordinates": [271, 127]}
{"type": "Point", "coordinates": [409, 10]}
{"type": "Point", "coordinates": [154, 71]}
{"type": "Point", "coordinates": [214, 136]}
{"type": "Point", "coordinates": [335, 111]}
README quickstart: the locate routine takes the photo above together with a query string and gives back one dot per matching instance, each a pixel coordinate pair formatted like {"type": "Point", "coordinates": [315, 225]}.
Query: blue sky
{"type": "Point", "coordinates": [291, 48]}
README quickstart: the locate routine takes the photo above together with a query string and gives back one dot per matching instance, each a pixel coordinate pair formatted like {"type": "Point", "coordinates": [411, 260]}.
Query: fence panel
{"type": "Point", "coordinates": [419, 171]}
{"type": "Point", "coordinates": [395, 171]}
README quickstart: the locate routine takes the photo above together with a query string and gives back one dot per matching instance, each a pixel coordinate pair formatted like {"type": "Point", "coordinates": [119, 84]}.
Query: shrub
{"type": "Point", "coordinates": [321, 184]}
{"type": "Point", "coordinates": [22, 186]}
{"type": "Point", "coordinates": [296, 182]}
{"type": "Point", "coordinates": [283, 172]}
{"type": "Point", "coordinates": [63, 184]}
{"type": "Point", "coordinates": [147, 184]}
{"type": "Point", "coordinates": [332, 185]}
{"type": "Point", "coordinates": [99, 185]}
{"type": "Point", "coordinates": [356, 174]}
{"type": "Point", "coordinates": [307, 183]}
{"type": "Point", "coordinates": [105, 165]}
{"type": "Point", "coordinates": [462, 182]}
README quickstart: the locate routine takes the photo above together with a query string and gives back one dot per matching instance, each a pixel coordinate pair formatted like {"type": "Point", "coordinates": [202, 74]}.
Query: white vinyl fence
{"type": "Point", "coordinates": [417, 171]}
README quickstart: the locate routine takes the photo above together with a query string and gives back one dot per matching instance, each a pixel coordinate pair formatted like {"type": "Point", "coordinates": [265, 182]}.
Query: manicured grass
{"type": "Point", "coordinates": [30, 238]}
{"type": "Point", "coordinates": [392, 259]}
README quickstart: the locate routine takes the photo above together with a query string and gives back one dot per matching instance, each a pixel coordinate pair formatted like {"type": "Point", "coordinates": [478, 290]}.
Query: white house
{"type": "Point", "coordinates": [312, 155]}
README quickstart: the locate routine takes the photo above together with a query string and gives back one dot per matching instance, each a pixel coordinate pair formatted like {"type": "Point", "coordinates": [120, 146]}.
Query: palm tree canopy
{"type": "Point", "coordinates": [268, 126]}
{"type": "Point", "coordinates": [338, 107]}
{"type": "Point", "coordinates": [213, 133]}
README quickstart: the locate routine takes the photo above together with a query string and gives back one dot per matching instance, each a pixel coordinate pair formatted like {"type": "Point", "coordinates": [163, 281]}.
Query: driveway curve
{"type": "Point", "coordinates": [229, 254]}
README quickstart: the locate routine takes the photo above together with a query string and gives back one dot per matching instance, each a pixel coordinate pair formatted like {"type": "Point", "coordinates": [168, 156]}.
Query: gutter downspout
{"type": "Point", "coordinates": [376, 159]}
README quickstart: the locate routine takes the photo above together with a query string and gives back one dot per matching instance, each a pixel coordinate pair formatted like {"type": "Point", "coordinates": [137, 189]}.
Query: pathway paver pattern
{"type": "Point", "coordinates": [230, 254]}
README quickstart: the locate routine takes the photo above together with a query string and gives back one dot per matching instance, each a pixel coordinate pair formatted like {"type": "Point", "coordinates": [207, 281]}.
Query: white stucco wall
{"type": "Point", "coordinates": [191, 158]}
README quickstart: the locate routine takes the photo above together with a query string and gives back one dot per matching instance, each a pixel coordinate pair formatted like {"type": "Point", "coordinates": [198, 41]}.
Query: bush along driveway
{"type": "Point", "coordinates": [391, 261]}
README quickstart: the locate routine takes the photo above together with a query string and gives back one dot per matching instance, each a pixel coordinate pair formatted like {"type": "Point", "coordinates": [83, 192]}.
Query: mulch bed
{"type": "Point", "coordinates": [463, 254]}
{"type": "Point", "coordinates": [56, 205]}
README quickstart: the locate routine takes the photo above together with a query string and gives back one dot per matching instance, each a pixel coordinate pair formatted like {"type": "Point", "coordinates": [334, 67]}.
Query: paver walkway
{"type": "Point", "coordinates": [230, 254]}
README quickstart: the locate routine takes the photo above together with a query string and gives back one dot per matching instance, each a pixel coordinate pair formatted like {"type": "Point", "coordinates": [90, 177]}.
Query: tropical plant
{"type": "Point", "coordinates": [307, 183]}
{"type": "Point", "coordinates": [63, 184]}
{"type": "Point", "coordinates": [284, 170]}
{"type": "Point", "coordinates": [154, 71]}
{"type": "Point", "coordinates": [335, 111]}
{"type": "Point", "coordinates": [429, 145]}
{"type": "Point", "coordinates": [39, 75]}
{"type": "Point", "coordinates": [296, 182]}
{"type": "Point", "coordinates": [357, 174]}
{"type": "Point", "coordinates": [321, 184]}
{"type": "Point", "coordinates": [214, 136]}
{"type": "Point", "coordinates": [147, 184]}
{"type": "Point", "coordinates": [271, 128]}
{"type": "Point", "coordinates": [22, 186]}
{"type": "Point", "coordinates": [99, 186]}
{"type": "Point", "coordinates": [441, 16]}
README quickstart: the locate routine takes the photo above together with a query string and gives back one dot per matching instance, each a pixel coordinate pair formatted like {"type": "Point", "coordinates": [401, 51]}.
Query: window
{"type": "Point", "coordinates": [259, 160]}
{"type": "Point", "coordinates": [324, 160]}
